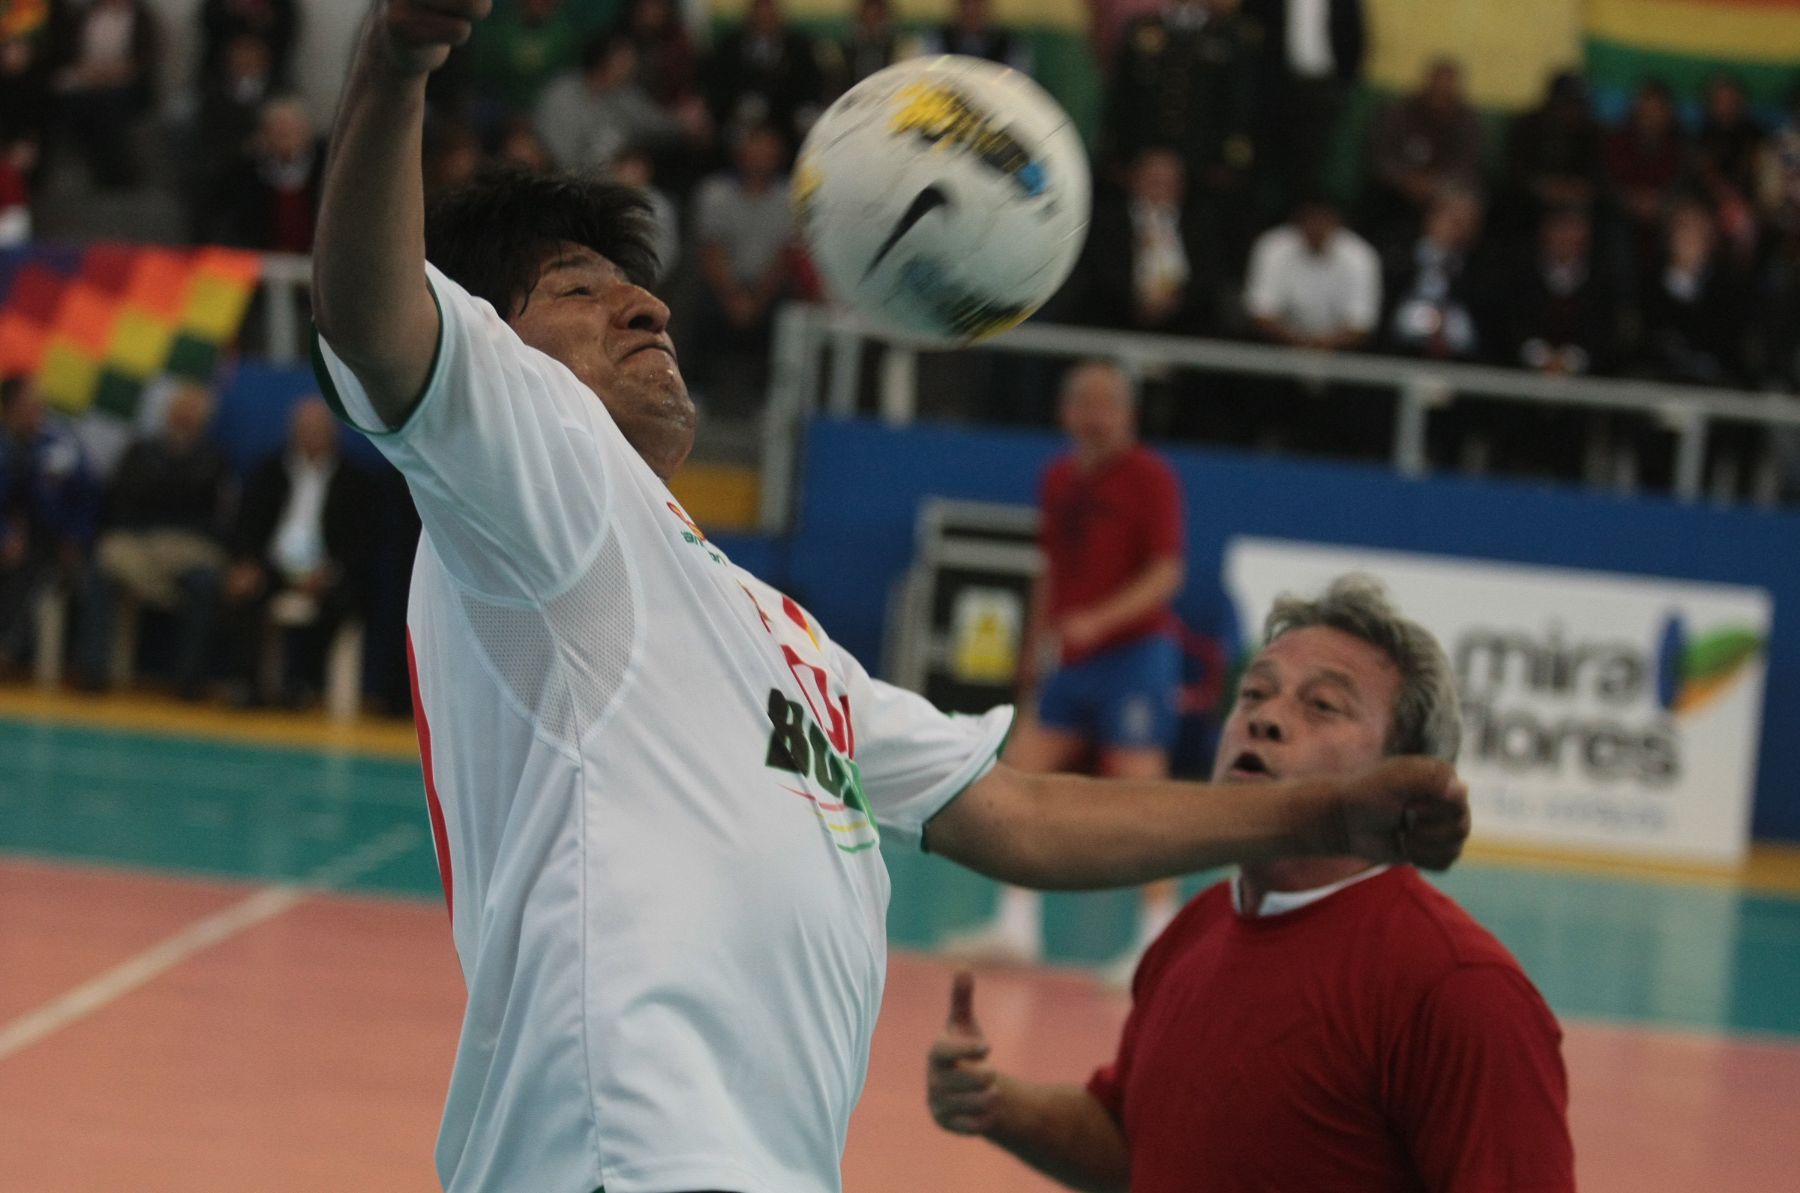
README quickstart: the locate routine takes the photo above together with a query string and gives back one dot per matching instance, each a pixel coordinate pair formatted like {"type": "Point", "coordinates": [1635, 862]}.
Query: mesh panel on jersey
{"type": "Point", "coordinates": [564, 663]}
{"type": "Point", "coordinates": [596, 621]}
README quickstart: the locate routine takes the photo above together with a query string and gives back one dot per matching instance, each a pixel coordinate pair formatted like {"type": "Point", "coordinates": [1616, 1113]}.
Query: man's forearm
{"type": "Point", "coordinates": [1148, 591]}
{"type": "Point", "coordinates": [370, 298]}
{"type": "Point", "coordinates": [1064, 1133]}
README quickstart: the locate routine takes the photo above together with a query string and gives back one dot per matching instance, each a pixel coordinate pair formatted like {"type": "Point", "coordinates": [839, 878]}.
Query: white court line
{"type": "Point", "coordinates": [264, 905]}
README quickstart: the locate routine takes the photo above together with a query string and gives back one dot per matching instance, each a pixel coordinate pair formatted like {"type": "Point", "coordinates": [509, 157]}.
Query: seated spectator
{"type": "Point", "coordinates": [1313, 282]}
{"type": "Point", "coordinates": [667, 68]}
{"type": "Point", "coordinates": [1778, 202]}
{"type": "Point", "coordinates": [24, 98]}
{"type": "Point", "coordinates": [272, 197]}
{"type": "Point", "coordinates": [1694, 316]}
{"type": "Point", "coordinates": [47, 507]}
{"type": "Point", "coordinates": [303, 527]}
{"type": "Point", "coordinates": [1146, 268]}
{"type": "Point", "coordinates": [1729, 154]}
{"type": "Point", "coordinates": [1421, 144]}
{"type": "Point", "coordinates": [1647, 159]}
{"type": "Point", "coordinates": [1560, 318]}
{"type": "Point", "coordinates": [231, 106]}
{"type": "Point", "coordinates": [973, 33]}
{"type": "Point", "coordinates": [104, 57]}
{"type": "Point", "coordinates": [1553, 155]}
{"type": "Point", "coordinates": [275, 23]}
{"type": "Point", "coordinates": [871, 45]}
{"type": "Point", "coordinates": [1435, 287]}
{"type": "Point", "coordinates": [587, 116]}
{"type": "Point", "coordinates": [745, 229]}
{"type": "Point", "coordinates": [161, 531]}
{"type": "Point", "coordinates": [765, 72]}
{"type": "Point", "coordinates": [15, 194]}
{"type": "Point", "coordinates": [635, 167]}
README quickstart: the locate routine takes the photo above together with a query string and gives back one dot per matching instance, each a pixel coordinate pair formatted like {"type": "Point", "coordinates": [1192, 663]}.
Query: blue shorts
{"type": "Point", "coordinates": [1122, 698]}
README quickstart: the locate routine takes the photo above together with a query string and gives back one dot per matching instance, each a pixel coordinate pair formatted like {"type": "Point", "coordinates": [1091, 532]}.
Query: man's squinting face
{"type": "Point", "coordinates": [614, 337]}
{"type": "Point", "coordinates": [1315, 701]}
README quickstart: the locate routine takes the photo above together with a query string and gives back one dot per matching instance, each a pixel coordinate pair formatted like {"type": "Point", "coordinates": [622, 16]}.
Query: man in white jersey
{"type": "Point", "coordinates": [655, 783]}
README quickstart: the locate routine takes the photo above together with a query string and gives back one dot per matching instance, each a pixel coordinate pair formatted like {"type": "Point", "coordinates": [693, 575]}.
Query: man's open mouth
{"type": "Point", "coordinates": [1249, 766]}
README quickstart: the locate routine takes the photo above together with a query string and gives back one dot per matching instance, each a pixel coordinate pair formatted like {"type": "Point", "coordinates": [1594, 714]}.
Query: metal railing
{"type": "Point", "coordinates": [818, 357]}
{"type": "Point", "coordinates": [806, 335]}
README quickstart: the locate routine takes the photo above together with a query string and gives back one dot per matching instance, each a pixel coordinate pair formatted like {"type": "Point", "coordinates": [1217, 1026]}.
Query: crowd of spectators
{"type": "Point", "coordinates": [1665, 245]}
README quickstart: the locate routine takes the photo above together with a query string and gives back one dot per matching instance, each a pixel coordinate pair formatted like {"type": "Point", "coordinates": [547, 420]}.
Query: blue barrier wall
{"type": "Point", "coordinates": [862, 485]}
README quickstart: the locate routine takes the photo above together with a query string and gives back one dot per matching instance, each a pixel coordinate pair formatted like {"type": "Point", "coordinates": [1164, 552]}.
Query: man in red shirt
{"type": "Point", "coordinates": [1112, 538]}
{"type": "Point", "coordinates": [1311, 1024]}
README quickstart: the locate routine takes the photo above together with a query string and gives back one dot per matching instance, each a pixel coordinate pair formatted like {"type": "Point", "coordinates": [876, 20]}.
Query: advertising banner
{"type": "Point", "coordinates": [1600, 711]}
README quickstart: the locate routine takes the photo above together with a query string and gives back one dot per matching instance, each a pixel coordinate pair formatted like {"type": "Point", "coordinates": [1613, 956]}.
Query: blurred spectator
{"type": "Point", "coordinates": [161, 531]}
{"type": "Point", "coordinates": [667, 68]}
{"type": "Point", "coordinates": [587, 116]}
{"type": "Point", "coordinates": [1778, 192]}
{"type": "Point", "coordinates": [972, 32]}
{"type": "Point", "coordinates": [275, 23]}
{"type": "Point", "coordinates": [635, 167]}
{"type": "Point", "coordinates": [1694, 313]}
{"type": "Point", "coordinates": [745, 229]}
{"type": "Point", "coordinates": [24, 100]}
{"type": "Point", "coordinates": [1647, 158]}
{"type": "Point", "coordinates": [520, 145]}
{"type": "Point", "coordinates": [1730, 148]}
{"type": "Point", "coordinates": [870, 46]}
{"type": "Point", "coordinates": [1553, 155]}
{"type": "Point", "coordinates": [47, 508]}
{"type": "Point", "coordinates": [521, 47]}
{"type": "Point", "coordinates": [764, 72]}
{"type": "Point", "coordinates": [452, 150]}
{"type": "Point", "coordinates": [1435, 286]}
{"type": "Point", "coordinates": [1314, 58]}
{"type": "Point", "coordinates": [15, 194]}
{"type": "Point", "coordinates": [1562, 312]}
{"type": "Point", "coordinates": [272, 197]}
{"type": "Point", "coordinates": [231, 106]}
{"type": "Point", "coordinates": [1313, 282]}
{"type": "Point", "coordinates": [1421, 144]}
{"type": "Point", "coordinates": [104, 55]}
{"type": "Point", "coordinates": [1185, 80]}
{"type": "Point", "coordinates": [303, 532]}
{"type": "Point", "coordinates": [1146, 268]}
{"type": "Point", "coordinates": [1560, 318]}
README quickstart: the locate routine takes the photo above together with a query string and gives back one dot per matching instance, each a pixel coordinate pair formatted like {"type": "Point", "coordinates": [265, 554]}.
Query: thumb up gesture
{"type": "Point", "coordinates": [961, 1087]}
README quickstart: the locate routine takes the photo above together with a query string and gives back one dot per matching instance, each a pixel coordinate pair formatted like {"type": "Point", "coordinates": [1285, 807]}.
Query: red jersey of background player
{"type": "Point", "coordinates": [1101, 528]}
{"type": "Point", "coordinates": [1378, 1039]}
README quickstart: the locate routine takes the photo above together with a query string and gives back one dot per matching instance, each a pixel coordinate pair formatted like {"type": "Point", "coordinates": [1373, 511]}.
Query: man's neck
{"type": "Point", "coordinates": [1093, 461]}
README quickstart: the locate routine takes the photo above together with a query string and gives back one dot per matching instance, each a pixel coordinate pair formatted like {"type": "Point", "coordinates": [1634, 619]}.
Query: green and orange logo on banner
{"type": "Point", "coordinates": [96, 324]}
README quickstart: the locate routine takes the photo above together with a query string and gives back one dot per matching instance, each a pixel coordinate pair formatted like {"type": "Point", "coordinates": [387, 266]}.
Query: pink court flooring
{"type": "Point", "coordinates": [171, 1035]}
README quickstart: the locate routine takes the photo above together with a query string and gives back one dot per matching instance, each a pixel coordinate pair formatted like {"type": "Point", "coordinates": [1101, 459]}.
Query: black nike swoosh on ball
{"type": "Point", "coordinates": [922, 205]}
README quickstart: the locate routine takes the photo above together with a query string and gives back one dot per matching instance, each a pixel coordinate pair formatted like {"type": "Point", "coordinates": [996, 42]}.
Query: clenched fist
{"type": "Point", "coordinates": [961, 1087]}
{"type": "Point", "coordinates": [418, 35]}
{"type": "Point", "coordinates": [1400, 810]}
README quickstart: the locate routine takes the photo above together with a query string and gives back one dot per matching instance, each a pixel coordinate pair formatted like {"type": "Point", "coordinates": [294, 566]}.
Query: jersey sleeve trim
{"type": "Point", "coordinates": [321, 366]}
{"type": "Point", "coordinates": [983, 763]}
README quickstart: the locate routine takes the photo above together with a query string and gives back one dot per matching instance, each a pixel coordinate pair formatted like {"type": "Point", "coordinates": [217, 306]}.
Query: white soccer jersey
{"type": "Point", "coordinates": [655, 785]}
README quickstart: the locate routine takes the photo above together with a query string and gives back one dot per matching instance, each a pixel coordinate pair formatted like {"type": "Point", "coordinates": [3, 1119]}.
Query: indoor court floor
{"type": "Point", "coordinates": [225, 966]}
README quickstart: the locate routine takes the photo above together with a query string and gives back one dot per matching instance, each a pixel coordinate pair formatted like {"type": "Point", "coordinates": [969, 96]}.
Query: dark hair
{"type": "Point", "coordinates": [492, 236]}
{"type": "Point", "coordinates": [602, 45]}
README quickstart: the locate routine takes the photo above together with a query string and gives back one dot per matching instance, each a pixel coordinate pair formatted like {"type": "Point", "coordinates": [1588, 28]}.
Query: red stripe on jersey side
{"type": "Point", "coordinates": [436, 809]}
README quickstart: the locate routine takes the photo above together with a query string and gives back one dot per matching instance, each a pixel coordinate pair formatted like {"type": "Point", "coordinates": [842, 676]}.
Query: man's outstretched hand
{"type": "Point", "coordinates": [1400, 810]}
{"type": "Point", "coordinates": [418, 35]}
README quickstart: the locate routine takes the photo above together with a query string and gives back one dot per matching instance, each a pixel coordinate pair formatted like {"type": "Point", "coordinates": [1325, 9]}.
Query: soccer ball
{"type": "Point", "coordinates": [945, 198]}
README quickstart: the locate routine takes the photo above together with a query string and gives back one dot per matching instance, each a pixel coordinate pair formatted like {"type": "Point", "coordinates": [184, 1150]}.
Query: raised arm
{"type": "Point", "coordinates": [370, 298]}
{"type": "Point", "coordinates": [1066, 832]}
